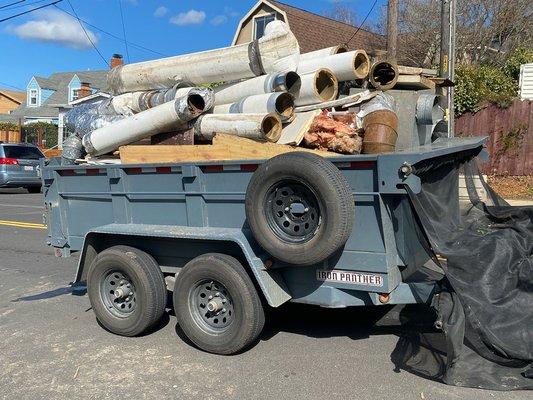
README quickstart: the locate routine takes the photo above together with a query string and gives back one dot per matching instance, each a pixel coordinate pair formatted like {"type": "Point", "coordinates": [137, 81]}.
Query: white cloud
{"type": "Point", "coordinates": [191, 17]}
{"type": "Point", "coordinates": [219, 20]}
{"type": "Point", "coordinates": [53, 26]}
{"type": "Point", "coordinates": [160, 12]}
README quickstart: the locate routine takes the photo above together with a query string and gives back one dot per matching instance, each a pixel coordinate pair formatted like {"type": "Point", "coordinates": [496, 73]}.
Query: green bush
{"type": "Point", "coordinates": [518, 57]}
{"type": "Point", "coordinates": [30, 133]}
{"type": "Point", "coordinates": [8, 126]}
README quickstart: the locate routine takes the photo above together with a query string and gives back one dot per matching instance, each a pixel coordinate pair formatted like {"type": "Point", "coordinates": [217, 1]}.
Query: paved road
{"type": "Point", "coordinates": [52, 347]}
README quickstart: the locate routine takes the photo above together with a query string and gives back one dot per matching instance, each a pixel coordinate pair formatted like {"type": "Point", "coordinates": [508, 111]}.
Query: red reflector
{"type": "Point", "coordinates": [249, 167]}
{"type": "Point", "coordinates": [8, 161]}
{"type": "Point", "coordinates": [213, 168]}
{"type": "Point", "coordinates": [92, 171]}
{"type": "Point", "coordinates": [163, 170]}
{"type": "Point", "coordinates": [67, 172]}
{"type": "Point", "coordinates": [134, 170]}
{"type": "Point", "coordinates": [362, 164]}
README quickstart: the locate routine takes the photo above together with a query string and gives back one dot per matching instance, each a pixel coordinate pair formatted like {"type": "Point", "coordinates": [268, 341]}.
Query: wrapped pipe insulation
{"type": "Point", "coordinates": [328, 51]}
{"type": "Point", "coordinates": [162, 118]}
{"type": "Point", "coordinates": [317, 87]}
{"type": "Point", "coordinates": [280, 103]}
{"type": "Point", "coordinates": [261, 127]}
{"type": "Point", "coordinates": [276, 51]}
{"type": "Point", "coordinates": [346, 66]}
{"type": "Point", "coordinates": [278, 82]}
{"type": "Point", "coordinates": [383, 74]}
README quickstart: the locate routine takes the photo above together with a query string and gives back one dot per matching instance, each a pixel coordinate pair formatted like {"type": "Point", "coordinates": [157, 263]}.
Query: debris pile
{"type": "Point", "coordinates": [263, 90]}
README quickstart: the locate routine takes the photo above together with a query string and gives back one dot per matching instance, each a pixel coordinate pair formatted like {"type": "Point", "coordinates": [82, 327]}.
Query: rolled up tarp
{"type": "Point", "coordinates": [317, 87]}
{"type": "Point", "coordinates": [260, 127]}
{"type": "Point", "coordinates": [280, 103]}
{"type": "Point", "coordinates": [162, 118]}
{"type": "Point", "coordinates": [276, 51]}
{"type": "Point", "coordinates": [328, 51]}
{"type": "Point", "coordinates": [345, 66]}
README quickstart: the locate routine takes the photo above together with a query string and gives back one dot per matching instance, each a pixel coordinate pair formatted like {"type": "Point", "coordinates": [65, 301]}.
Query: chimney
{"type": "Point", "coordinates": [84, 90]}
{"type": "Point", "coordinates": [116, 61]}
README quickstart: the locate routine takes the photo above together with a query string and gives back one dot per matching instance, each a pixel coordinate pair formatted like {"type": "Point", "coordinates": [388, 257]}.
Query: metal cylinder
{"type": "Point", "coordinates": [162, 118]}
{"type": "Point", "coordinates": [276, 51]}
{"type": "Point", "coordinates": [328, 51]}
{"type": "Point", "coordinates": [280, 103]}
{"type": "Point", "coordinates": [261, 127]}
{"type": "Point", "coordinates": [317, 87]}
{"type": "Point", "coordinates": [383, 75]}
{"type": "Point", "coordinates": [280, 82]}
{"type": "Point", "coordinates": [346, 66]}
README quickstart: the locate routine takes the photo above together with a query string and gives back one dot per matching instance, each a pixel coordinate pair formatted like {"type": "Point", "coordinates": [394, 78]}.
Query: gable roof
{"type": "Point", "coordinates": [315, 32]}
{"type": "Point", "coordinates": [14, 95]}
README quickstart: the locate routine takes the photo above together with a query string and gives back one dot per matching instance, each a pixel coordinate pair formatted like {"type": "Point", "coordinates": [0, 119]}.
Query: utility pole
{"type": "Point", "coordinates": [447, 57]}
{"type": "Point", "coordinates": [392, 29]}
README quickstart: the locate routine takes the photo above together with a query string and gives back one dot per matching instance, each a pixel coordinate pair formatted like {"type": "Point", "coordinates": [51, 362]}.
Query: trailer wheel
{"type": "Point", "coordinates": [217, 305]}
{"type": "Point", "coordinates": [300, 208]}
{"type": "Point", "coordinates": [126, 289]}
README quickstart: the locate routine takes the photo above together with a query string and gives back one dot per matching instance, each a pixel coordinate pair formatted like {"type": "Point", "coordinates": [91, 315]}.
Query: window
{"type": "Point", "coordinates": [75, 95]}
{"type": "Point", "coordinates": [33, 97]}
{"type": "Point", "coordinates": [261, 23]}
{"type": "Point", "coordinates": [24, 152]}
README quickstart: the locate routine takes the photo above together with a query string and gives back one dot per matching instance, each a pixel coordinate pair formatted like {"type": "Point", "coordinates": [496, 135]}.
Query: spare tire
{"type": "Point", "coordinates": [300, 208]}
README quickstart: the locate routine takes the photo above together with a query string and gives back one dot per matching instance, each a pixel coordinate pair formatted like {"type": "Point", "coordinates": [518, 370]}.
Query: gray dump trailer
{"type": "Point", "coordinates": [231, 238]}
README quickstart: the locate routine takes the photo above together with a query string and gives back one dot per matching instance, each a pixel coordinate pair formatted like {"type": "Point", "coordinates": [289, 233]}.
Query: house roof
{"type": "Point", "coordinates": [58, 82]}
{"type": "Point", "coordinates": [316, 32]}
{"type": "Point", "coordinates": [16, 96]}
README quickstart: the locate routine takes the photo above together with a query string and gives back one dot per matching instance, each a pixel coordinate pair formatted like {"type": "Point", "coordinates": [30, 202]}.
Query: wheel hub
{"type": "Point", "coordinates": [118, 294]}
{"type": "Point", "coordinates": [211, 305]}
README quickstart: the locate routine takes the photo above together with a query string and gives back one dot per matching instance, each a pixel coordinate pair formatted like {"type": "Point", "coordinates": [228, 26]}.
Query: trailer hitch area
{"type": "Point", "coordinates": [406, 169]}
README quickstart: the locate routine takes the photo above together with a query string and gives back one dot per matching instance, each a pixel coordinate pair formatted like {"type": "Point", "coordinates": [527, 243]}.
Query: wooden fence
{"type": "Point", "coordinates": [511, 136]}
{"type": "Point", "coordinates": [10, 136]}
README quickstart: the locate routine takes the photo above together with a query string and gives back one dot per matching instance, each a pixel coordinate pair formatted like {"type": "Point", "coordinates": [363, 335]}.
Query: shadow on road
{"type": "Point", "coordinates": [76, 290]}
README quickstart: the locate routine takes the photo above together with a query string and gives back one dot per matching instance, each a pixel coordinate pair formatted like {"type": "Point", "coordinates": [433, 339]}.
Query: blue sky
{"type": "Point", "coordinates": [49, 40]}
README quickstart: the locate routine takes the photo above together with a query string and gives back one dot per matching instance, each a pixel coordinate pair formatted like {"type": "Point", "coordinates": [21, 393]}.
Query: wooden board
{"type": "Point", "coordinates": [405, 70]}
{"type": "Point", "coordinates": [415, 82]}
{"type": "Point", "coordinates": [224, 148]}
{"type": "Point", "coordinates": [293, 133]}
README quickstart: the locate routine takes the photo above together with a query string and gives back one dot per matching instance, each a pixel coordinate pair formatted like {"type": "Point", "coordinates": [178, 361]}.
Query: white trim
{"type": "Point", "coordinates": [255, 24]}
{"type": "Point", "coordinates": [251, 12]}
{"type": "Point", "coordinates": [30, 90]}
{"type": "Point", "coordinates": [90, 97]}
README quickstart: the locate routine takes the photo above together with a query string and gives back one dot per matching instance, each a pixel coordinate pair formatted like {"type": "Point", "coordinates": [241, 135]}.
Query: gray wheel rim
{"type": "Point", "coordinates": [211, 306]}
{"type": "Point", "coordinates": [118, 294]}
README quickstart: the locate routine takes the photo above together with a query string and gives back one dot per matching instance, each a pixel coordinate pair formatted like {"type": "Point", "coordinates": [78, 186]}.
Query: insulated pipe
{"type": "Point", "coordinates": [262, 127]}
{"type": "Point", "coordinates": [280, 103]}
{"type": "Point", "coordinates": [317, 87]}
{"type": "Point", "coordinates": [278, 82]}
{"type": "Point", "coordinates": [328, 51]}
{"type": "Point", "coordinates": [277, 51]}
{"type": "Point", "coordinates": [162, 118]}
{"type": "Point", "coordinates": [383, 75]}
{"type": "Point", "coordinates": [345, 66]}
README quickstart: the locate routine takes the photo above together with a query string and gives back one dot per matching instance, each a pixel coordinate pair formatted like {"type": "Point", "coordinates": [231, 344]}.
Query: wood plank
{"type": "Point", "coordinates": [416, 82]}
{"type": "Point", "coordinates": [293, 133]}
{"type": "Point", "coordinates": [405, 70]}
{"type": "Point", "coordinates": [224, 148]}
{"type": "Point", "coordinates": [347, 101]}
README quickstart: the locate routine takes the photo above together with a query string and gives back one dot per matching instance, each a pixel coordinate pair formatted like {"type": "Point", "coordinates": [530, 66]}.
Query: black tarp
{"type": "Point", "coordinates": [485, 304]}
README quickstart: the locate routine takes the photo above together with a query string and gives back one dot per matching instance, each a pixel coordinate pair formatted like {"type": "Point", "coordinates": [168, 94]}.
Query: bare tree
{"type": "Point", "coordinates": [342, 13]}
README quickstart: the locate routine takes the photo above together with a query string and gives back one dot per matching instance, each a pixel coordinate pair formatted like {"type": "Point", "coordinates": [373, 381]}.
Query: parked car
{"type": "Point", "coordinates": [19, 166]}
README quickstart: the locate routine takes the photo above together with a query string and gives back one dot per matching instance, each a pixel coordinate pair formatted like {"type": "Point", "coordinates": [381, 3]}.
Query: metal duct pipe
{"type": "Point", "coordinates": [162, 118]}
{"type": "Point", "coordinates": [277, 51]}
{"type": "Point", "coordinates": [280, 103]}
{"type": "Point", "coordinates": [328, 51]}
{"type": "Point", "coordinates": [262, 127]}
{"type": "Point", "coordinates": [317, 87]}
{"type": "Point", "coordinates": [345, 66]}
{"type": "Point", "coordinates": [279, 82]}
{"type": "Point", "coordinates": [383, 75]}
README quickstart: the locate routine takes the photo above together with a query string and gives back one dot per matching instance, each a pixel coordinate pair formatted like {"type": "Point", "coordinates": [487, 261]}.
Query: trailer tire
{"type": "Point", "coordinates": [232, 318]}
{"type": "Point", "coordinates": [141, 304]}
{"type": "Point", "coordinates": [300, 208]}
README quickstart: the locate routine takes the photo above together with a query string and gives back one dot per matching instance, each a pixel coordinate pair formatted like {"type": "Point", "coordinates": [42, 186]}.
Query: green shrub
{"type": "Point", "coordinates": [518, 57]}
{"type": "Point", "coordinates": [30, 133]}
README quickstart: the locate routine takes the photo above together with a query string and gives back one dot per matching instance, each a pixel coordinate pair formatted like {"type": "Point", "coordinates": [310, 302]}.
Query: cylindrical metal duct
{"type": "Point", "coordinates": [277, 51]}
{"type": "Point", "coordinates": [280, 103]}
{"type": "Point", "coordinates": [317, 87]}
{"type": "Point", "coordinates": [346, 66]}
{"type": "Point", "coordinates": [383, 75]}
{"type": "Point", "coordinates": [279, 82]}
{"type": "Point", "coordinates": [262, 127]}
{"type": "Point", "coordinates": [328, 51]}
{"type": "Point", "coordinates": [162, 118]}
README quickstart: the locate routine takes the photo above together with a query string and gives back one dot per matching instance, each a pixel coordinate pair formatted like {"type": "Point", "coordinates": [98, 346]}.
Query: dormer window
{"type": "Point", "coordinates": [260, 24]}
{"type": "Point", "coordinates": [75, 95]}
{"type": "Point", "coordinates": [33, 97]}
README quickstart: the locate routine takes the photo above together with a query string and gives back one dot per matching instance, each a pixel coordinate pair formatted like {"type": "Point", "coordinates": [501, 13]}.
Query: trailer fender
{"type": "Point", "coordinates": [270, 282]}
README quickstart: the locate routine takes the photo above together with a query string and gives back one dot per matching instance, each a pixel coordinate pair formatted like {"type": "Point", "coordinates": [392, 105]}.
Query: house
{"type": "Point", "coordinates": [10, 99]}
{"type": "Point", "coordinates": [313, 31]}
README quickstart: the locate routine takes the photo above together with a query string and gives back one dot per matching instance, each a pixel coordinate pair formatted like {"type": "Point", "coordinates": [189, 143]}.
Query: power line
{"type": "Point", "coordinates": [10, 4]}
{"type": "Point", "coordinates": [11, 86]}
{"type": "Point", "coordinates": [24, 5]}
{"type": "Point", "coordinates": [29, 11]}
{"type": "Point", "coordinates": [124, 30]}
{"type": "Point", "coordinates": [86, 34]}
{"type": "Point", "coordinates": [138, 46]}
{"type": "Point", "coordinates": [364, 20]}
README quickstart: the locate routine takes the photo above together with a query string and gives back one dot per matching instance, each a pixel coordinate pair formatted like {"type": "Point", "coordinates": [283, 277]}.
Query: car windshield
{"type": "Point", "coordinates": [23, 152]}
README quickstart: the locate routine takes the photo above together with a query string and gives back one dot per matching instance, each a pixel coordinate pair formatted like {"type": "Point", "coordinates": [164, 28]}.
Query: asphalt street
{"type": "Point", "coordinates": [51, 346]}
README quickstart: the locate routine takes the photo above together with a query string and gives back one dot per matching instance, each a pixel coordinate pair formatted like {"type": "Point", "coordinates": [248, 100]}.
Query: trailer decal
{"type": "Point", "coordinates": [349, 277]}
